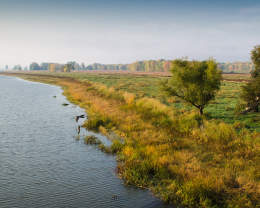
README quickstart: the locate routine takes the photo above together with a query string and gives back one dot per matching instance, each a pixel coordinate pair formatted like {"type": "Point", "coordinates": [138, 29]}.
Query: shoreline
{"type": "Point", "coordinates": [110, 135]}
{"type": "Point", "coordinates": [52, 132]}
{"type": "Point", "coordinates": [130, 119]}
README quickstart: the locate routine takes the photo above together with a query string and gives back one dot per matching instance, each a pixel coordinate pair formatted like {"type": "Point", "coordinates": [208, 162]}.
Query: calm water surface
{"type": "Point", "coordinates": [41, 162]}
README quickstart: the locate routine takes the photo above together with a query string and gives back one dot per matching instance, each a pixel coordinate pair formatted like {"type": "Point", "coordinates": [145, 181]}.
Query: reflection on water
{"type": "Point", "coordinates": [41, 163]}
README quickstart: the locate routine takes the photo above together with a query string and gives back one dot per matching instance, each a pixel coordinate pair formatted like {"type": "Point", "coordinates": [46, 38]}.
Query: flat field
{"type": "Point", "coordinates": [148, 85]}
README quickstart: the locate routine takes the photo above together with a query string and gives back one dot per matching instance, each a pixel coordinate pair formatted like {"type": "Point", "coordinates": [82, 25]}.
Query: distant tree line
{"type": "Point", "coordinates": [236, 67]}
{"type": "Point", "coordinates": [142, 66]}
{"type": "Point", "coordinates": [145, 66]}
{"type": "Point", "coordinates": [97, 66]}
{"type": "Point", "coordinates": [165, 66]}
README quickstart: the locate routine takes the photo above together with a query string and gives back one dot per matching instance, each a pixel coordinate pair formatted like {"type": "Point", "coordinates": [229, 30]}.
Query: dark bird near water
{"type": "Point", "coordinates": [78, 117]}
{"type": "Point", "coordinates": [78, 130]}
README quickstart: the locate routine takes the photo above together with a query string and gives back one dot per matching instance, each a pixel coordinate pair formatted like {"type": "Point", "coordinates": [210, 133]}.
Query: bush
{"type": "Point", "coordinates": [116, 146]}
{"type": "Point", "coordinates": [195, 82]}
{"type": "Point", "coordinates": [94, 122]}
{"type": "Point", "coordinates": [92, 140]}
{"type": "Point", "coordinates": [251, 94]}
{"type": "Point", "coordinates": [129, 98]}
{"type": "Point", "coordinates": [104, 148]}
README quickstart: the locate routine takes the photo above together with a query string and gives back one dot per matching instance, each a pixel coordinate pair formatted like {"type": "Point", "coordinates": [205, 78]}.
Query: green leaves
{"type": "Point", "coordinates": [195, 82]}
{"type": "Point", "coordinates": [255, 56]}
{"type": "Point", "coordinates": [251, 94]}
{"type": "Point", "coordinates": [251, 91]}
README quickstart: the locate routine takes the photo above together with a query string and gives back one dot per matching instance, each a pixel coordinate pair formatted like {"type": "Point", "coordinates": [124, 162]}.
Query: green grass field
{"type": "Point", "coordinates": [223, 107]}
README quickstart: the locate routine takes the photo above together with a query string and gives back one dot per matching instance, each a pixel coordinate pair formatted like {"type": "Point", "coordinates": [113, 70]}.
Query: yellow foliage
{"type": "Point", "coordinates": [129, 98]}
{"type": "Point", "coordinates": [128, 151]}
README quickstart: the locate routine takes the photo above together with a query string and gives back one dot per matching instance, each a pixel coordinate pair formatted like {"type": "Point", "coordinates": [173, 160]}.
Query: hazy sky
{"type": "Point", "coordinates": [120, 31]}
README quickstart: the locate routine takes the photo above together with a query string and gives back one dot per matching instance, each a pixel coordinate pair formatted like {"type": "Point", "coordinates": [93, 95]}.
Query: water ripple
{"type": "Point", "coordinates": [42, 165]}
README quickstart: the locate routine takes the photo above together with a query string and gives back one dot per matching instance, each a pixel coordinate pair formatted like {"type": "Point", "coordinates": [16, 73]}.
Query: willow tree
{"type": "Point", "coordinates": [255, 57]}
{"type": "Point", "coordinates": [251, 94]}
{"type": "Point", "coordinates": [251, 91]}
{"type": "Point", "coordinates": [195, 82]}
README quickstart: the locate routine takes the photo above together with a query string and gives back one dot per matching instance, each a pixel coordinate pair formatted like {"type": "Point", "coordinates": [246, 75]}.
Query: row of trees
{"type": "Point", "coordinates": [165, 66]}
{"type": "Point", "coordinates": [197, 82]}
{"type": "Point", "coordinates": [236, 67]}
{"type": "Point", "coordinates": [143, 66]}
{"type": "Point", "coordinates": [150, 66]}
{"type": "Point", "coordinates": [97, 66]}
{"type": "Point", "coordinates": [46, 66]}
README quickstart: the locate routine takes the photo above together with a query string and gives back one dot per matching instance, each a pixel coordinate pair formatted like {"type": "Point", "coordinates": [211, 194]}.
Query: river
{"type": "Point", "coordinates": [41, 162]}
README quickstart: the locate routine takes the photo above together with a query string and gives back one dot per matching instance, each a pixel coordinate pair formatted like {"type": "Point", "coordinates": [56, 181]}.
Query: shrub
{"type": "Point", "coordinates": [152, 109]}
{"type": "Point", "coordinates": [94, 122]}
{"type": "Point", "coordinates": [129, 98]}
{"type": "Point", "coordinates": [116, 146]}
{"type": "Point", "coordinates": [92, 140]}
{"type": "Point", "coordinates": [104, 148]}
{"type": "Point", "coordinates": [195, 82]}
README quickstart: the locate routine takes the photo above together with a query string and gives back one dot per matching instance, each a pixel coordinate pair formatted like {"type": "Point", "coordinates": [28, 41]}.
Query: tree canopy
{"type": "Point", "coordinates": [255, 57]}
{"type": "Point", "coordinates": [251, 91]}
{"type": "Point", "coordinates": [195, 82]}
{"type": "Point", "coordinates": [251, 94]}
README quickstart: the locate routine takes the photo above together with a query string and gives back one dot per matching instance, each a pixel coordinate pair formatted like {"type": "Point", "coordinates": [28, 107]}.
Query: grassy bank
{"type": "Point", "coordinates": [148, 85]}
{"type": "Point", "coordinates": [182, 157]}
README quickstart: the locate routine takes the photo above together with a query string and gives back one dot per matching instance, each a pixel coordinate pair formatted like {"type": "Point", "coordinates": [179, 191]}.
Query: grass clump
{"type": "Point", "coordinates": [114, 148]}
{"type": "Point", "coordinates": [92, 140]}
{"type": "Point", "coordinates": [95, 122]}
{"type": "Point", "coordinates": [104, 148]}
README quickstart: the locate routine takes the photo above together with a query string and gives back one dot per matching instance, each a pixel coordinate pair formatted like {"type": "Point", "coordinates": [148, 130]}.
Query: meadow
{"type": "Point", "coordinates": [165, 145]}
{"type": "Point", "coordinates": [148, 85]}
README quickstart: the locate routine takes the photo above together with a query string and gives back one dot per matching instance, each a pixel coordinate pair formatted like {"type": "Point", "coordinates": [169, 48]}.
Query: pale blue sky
{"type": "Point", "coordinates": [113, 31]}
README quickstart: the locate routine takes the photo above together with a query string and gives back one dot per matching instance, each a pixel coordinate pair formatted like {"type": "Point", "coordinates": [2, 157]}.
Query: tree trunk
{"type": "Point", "coordinates": [256, 109]}
{"type": "Point", "coordinates": [201, 110]}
